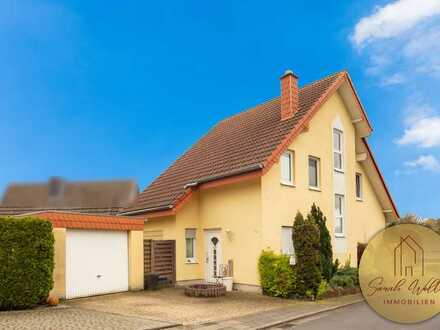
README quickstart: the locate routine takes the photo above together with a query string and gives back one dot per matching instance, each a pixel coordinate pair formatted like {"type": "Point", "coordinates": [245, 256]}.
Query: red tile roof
{"type": "Point", "coordinates": [248, 141]}
{"type": "Point", "coordinates": [89, 221]}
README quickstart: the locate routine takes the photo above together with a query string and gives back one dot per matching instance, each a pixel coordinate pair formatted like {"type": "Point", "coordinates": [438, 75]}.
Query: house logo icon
{"type": "Point", "coordinates": [409, 258]}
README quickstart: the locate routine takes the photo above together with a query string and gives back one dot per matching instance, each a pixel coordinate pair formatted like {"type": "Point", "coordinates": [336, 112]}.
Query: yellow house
{"type": "Point", "coordinates": [238, 189]}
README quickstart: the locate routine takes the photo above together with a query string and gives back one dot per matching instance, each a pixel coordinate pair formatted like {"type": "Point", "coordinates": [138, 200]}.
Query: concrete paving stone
{"type": "Point", "coordinates": [72, 318]}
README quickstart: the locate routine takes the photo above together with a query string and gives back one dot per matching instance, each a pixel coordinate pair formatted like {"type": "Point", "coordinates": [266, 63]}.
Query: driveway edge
{"type": "Point", "coordinates": [305, 315]}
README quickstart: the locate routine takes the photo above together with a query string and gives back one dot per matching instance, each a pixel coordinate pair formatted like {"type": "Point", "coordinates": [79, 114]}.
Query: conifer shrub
{"type": "Point", "coordinates": [308, 262]}
{"type": "Point", "coordinates": [325, 244]}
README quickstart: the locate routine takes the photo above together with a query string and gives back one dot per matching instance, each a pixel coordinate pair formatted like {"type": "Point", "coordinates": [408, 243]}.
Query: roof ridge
{"type": "Point", "coordinates": [277, 97]}
{"type": "Point", "coordinates": [323, 78]}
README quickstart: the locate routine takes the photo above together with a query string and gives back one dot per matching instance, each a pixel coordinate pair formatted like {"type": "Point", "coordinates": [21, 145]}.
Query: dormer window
{"type": "Point", "coordinates": [338, 150]}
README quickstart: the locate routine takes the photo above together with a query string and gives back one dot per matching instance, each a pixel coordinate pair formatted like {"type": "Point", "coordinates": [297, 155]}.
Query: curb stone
{"type": "Point", "coordinates": [305, 315]}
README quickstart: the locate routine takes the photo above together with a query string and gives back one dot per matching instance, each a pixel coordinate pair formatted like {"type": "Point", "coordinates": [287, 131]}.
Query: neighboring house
{"type": "Point", "coordinates": [97, 197]}
{"type": "Point", "coordinates": [238, 189]}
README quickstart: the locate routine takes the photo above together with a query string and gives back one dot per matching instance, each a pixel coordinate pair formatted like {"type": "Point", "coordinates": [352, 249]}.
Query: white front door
{"type": "Point", "coordinates": [213, 254]}
{"type": "Point", "coordinates": [96, 262]}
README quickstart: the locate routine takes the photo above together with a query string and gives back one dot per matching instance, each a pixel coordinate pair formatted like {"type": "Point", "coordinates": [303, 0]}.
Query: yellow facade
{"type": "Point", "coordinates": [135, 260]}
{"type": "Point", "coordinates": [235, 210]}
{"type": "Point", "coordinates": [251, 214]}
{"type": "Point", "coordinates": [281, 202]}
{"type": "Point", "coordinates": [59, 271]}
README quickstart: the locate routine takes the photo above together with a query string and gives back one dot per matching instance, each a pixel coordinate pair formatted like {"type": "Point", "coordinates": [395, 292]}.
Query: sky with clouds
{"type": "Point", "coordinates": [119, 91]}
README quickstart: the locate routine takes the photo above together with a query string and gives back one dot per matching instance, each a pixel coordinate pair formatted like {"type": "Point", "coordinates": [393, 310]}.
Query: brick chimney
{"type": "Point", "coordinates": [289, 95]}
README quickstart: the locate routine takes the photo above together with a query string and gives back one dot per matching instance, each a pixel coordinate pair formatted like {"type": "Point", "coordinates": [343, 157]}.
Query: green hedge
{"type": "Point", "coordinates": [26, 262]}
{"type": "Point", "coordinates": [277, 276]}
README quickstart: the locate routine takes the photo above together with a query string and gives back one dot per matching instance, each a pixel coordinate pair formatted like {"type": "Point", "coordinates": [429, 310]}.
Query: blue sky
{"type": "Point", "coordinates": [93, 91]}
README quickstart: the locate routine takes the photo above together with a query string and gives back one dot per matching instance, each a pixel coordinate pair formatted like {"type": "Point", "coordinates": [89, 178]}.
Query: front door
{"type": "Point", "coordinates": [213, 254]}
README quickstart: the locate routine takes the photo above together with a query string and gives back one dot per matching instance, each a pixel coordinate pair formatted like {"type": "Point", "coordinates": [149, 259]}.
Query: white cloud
{"type": "Point", "coordinates": [425, 162]}
{"type": "Point", "coordinates": [423, 132]}
{"type": "Point", "coordinates": [394, 19]}
{"type": "Point", "coordinates": [395, 79]}
{"type": "Point", "coordinates": [400, 40]}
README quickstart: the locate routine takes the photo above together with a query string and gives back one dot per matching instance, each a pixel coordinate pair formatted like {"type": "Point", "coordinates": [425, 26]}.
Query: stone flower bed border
{"type": "Point", "coordinates": [205, 290]}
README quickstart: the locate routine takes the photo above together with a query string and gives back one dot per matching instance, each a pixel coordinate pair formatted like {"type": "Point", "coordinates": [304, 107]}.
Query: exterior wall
{"type": "Point", "coordinates": [280, 203]}
{"type": "Point", "coordinates": [135, 260]}
{"type": "Point", "coordinates": [236, 208]}
{"type": "Point", "coordinates": [368, 225]}
{"type": "Point", "coordinates": [59, 273]}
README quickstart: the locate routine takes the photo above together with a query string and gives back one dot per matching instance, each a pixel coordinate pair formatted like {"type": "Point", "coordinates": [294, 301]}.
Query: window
{"type": "Point", "coordinates": [286, 162]}
{"type": "Point", "coordinates": [190, 241]}
{"type": "Point", "coordinates": [359, 186]}
{"type": "Point", "coordinates": [339, 215]}
{"type": "Point", "coordinates": [338, 155]}
{"type": "Point", "coordinates": [287, 243]}
{"type": "Point", "coordinates": [313, 173]}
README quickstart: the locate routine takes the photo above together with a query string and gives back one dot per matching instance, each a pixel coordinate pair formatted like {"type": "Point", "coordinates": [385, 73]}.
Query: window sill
{"type": "Point", "coordinates": [191, 262]}
{"type": "Point", "coordinates": [339, 235]}
{"type": "Point", "coordinates": [359, 199]}
{"type": "Point", "coordinates": [288, 184]}
{"type": "Point", "coordinates": [342, 171]}
{"type": "Point", "coordinates": [315, 189]}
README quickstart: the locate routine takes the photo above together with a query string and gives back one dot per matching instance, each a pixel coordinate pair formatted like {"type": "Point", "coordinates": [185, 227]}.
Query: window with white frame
{"type": "Point", "coordinates": [314, 172]}
{"type": "Point", "coordinates": [190, 241]}
{"type": "Point", "coordinates": [287, 243]}
{"type": "Point", "coordinates": [339, 215]}
{"type": "Point", "coordinates": [359, 192]}
{"type": "Point", "coordinates": [287, 167]}
{"type": "Point", "coordinates": [338, 147]}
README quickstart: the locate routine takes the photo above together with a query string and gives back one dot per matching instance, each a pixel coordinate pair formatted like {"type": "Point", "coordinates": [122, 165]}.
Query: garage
{"type": "Point", "coordinates": [96, 262]}
{"type": "Point", "coordinates": [95, 254]}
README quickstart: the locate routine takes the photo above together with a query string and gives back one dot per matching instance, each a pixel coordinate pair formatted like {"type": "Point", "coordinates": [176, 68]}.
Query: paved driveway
{"type": "Point", "coordinates": [168, 308]}
{"type": "Point", "coordinates": [74, 318]}
{"type": "Point", "coordinates": [171, 305]}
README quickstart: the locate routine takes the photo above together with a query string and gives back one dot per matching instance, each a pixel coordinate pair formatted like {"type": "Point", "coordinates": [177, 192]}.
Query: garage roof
{"type": "Point", "coordinates": [88, 221]}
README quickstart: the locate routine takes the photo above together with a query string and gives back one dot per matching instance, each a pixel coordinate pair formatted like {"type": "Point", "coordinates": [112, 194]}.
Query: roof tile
{"type": "Point", "coordinates": [241, 141]}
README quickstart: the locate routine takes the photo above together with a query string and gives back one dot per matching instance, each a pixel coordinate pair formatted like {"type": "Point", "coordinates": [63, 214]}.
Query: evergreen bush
{"type": "Point", "coordinates": [26, 262]}
{"type": "Point", "coordinates": [277, 276]}
{"type": "Point", "coordinates": [325, 244]}
{"type": "Point", "coordinates": [306, 244]}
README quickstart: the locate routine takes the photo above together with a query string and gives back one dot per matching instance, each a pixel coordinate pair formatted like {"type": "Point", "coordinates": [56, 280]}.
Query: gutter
{"type": "Point", "coordinates": [223, 176]}
{"type": "Point", "coordinates": [196, 183]}
{"type": "Point", "coordinates": [151, 209]}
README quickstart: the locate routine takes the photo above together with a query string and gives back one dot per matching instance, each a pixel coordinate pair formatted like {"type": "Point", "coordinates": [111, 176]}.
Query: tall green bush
{"type": "Point", "coordinates": [26, 262]}
{"type": "Point", "coordinates": [325, 244]}
{"type": "Point", "coordinates": [277, 276]}
{"type": "Point", "coordinates": [306, 244]}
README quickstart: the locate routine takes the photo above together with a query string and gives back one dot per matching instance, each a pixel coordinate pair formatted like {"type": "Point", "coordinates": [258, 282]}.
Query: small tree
{"type": "Point", "coordinates": [306, 243]}
{"type": "Point", "coordinates": [325, 244]}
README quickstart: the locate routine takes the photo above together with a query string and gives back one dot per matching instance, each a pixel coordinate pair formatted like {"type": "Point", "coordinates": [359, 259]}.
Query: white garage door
{"type": "Point", "coordinates": [96, 262]}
